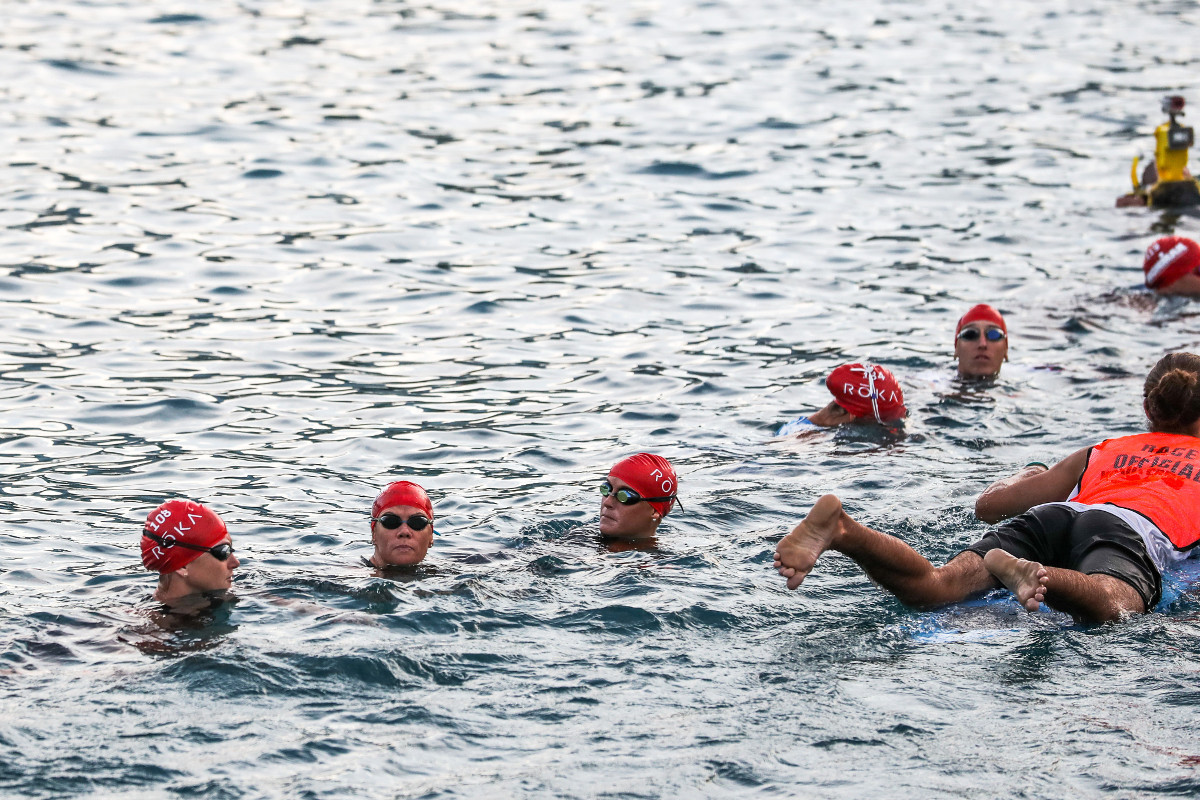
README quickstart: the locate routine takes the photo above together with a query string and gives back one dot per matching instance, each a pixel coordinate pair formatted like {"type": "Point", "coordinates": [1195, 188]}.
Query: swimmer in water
{"type": "Point", "coordinates": [401, 525]}
{"type": "Point", "coordinates": [188, 545]}
{"type": "Point", "coordinates": [980, 343]}
{"type": "Point", "coordinates": [638, 492]}
{"type": "Point", "coordinates": [1172, 266]}
{"type": "Point", "coordinates": [860, 392]}
{"type": "Point", "coordinates": [1094, 533]}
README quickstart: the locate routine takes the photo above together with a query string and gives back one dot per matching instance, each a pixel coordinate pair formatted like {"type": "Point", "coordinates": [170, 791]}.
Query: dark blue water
{"type": "Point", "coordinates": [271, 256]}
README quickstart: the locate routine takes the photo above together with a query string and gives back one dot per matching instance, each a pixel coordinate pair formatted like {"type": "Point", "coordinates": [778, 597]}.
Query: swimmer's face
{"type": "Point", "coordinates": [637, 521]}
{"type": "Point", "coordinates": [1188, 285]}
{"type": "Point", "coordinates": [400, 546]}
{"type": "Point", "coordinates": [980, 358]}
{"type": "Point", "coordinates": [207, 574]}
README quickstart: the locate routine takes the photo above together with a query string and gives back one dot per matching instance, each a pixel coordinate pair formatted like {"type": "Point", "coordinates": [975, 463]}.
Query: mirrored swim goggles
{"type": "Point", "coordinates": [628, 497]}
{"type": "Point", "coordinates": [416, 522]}
{"type": "Point", "coordinates": [221, 552]}
{"type": "Point", "coordinates": [972, 334]}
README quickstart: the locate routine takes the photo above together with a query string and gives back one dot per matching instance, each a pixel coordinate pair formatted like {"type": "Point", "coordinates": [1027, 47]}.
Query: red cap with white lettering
{"type": "Point", "coordinates": [650, 476]}
{"type": "Point", "coordinates": [867, 390]}
{"type": "Point", "coordinates": [179, 521]}
{"type": "Point", "coordinates": [1169, 259]}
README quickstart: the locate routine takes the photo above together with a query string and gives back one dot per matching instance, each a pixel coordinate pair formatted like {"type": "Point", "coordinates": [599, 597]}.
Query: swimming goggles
{"type": "Point", "coordinates": [628, 497]}
{"type": "Point", "coordinates": [417, 522]}
{"type": "Point", "coordinates": [221, 552]}
{"type": "Point", "coordinates": [971, 334]}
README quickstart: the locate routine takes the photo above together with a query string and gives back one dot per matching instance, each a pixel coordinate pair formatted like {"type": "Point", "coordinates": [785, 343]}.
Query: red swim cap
{"type": "Point", "coordinates": [402, 493]}
{"type": "Point", "coordinates": [650, 476]}
{"type": "Point", "coordinates": [1169, 259]}
{"type": "Point", "coordinates": [981, 313]}
{"type": "Point", "coordinates": [179, 521]}
{"type": "Point", "coordinates": [867, 390]}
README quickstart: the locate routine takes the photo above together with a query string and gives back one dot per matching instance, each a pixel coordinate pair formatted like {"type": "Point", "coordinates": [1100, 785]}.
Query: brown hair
{"type": "Point", "coordinates": [1172, 393]}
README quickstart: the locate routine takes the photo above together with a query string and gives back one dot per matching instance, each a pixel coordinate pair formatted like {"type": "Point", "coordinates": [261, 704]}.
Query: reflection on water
{"type": "Point", "coordinates": [272, 256]}
{"type": "Point", "coordinates": [195, 626]}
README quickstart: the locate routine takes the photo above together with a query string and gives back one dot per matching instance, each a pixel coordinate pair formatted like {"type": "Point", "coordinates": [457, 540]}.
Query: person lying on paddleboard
{"type": "Point", "coordinates": [1094, 534]}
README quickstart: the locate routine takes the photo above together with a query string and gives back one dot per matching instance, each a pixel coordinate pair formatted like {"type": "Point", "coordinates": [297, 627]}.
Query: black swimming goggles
{"type": "Point", "coordinates": [972, 334]}
{"type": "Point", "coordinates": [417, 522]}
{"type": "Point", "coordinates": [221, 552]}
{"type": "Point", "coordinates": [628, 497]}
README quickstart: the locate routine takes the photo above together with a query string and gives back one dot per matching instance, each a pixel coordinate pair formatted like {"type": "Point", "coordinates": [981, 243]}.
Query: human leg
{"type": "Point", "coordinates": [891, 563]}
{"type": "Point", "coordinates": [1089, 564]}
{"type": "Point", "coordinates": [1092, 597]}
{"type": "Point", "coordinates": [1024, 578]}
{"type": "Point", "coordinates": [1087, 597]}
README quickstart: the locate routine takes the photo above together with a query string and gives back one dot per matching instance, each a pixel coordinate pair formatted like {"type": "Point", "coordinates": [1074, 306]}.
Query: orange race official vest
{"type": "Point", "coordinates": [1155, 474]}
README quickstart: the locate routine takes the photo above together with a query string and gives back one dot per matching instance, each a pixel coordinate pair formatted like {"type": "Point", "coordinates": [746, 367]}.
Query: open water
{"type": "Point", "coordinates": [272, 255]}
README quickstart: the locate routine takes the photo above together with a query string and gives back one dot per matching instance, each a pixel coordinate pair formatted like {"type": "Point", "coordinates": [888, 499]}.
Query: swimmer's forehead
{"type": "Point", "coordinates": [404, 511]}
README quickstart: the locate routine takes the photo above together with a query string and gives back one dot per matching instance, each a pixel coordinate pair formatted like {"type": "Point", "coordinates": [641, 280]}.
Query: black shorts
{"type": "Point", "coordinates": [1092, 542]}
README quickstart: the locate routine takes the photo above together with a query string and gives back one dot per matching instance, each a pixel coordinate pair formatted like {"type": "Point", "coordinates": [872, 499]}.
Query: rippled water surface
{"type": "Point", "coordinates": [272, 255]}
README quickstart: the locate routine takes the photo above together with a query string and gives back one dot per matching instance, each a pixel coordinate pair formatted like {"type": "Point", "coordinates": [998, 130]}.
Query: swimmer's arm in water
{"type": "Point", "coordinates": [797, 426]}
{"type": "Point", "coordinates": [1031, 486]}
{"type": "Point", "coordinates": [830, 416]}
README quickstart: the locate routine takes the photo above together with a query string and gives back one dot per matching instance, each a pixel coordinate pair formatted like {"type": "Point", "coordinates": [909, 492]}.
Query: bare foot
{"type": "Point", "coordinates": [1025, 579]}
{"type": "Point", "coordinates": [797, 553]}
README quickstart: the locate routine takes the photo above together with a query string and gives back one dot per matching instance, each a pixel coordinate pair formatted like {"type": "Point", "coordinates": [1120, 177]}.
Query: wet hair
{"type": "Point", "coordinates": [1172, 393]}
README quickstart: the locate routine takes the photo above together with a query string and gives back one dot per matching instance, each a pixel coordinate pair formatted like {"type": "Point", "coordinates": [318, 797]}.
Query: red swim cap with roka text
{"type": "Point", "coordinates": [179, 521]}
{"type": "Point", "coordinates": [1169, 259]}
{"type": "Point", "coordinates": [981, 313]}
{"type": "Point", "coordinates": [867, 390]}
{"type": "Point", "coordinates": [650, 476]}
{"type": "Point", "coordinates": [402, 493]}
